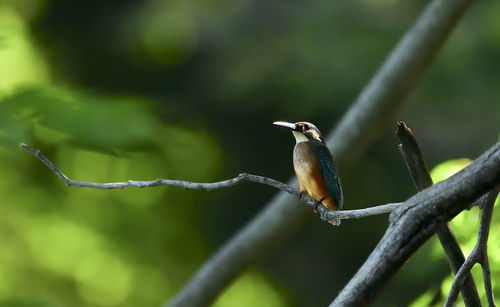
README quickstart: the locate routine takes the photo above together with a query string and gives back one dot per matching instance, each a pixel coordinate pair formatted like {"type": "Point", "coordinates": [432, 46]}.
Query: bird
{"type": "Point", "coordinates": [313, 164]}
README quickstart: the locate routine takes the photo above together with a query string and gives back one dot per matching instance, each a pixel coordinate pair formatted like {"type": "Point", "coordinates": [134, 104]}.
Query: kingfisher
{"type": "Point", "coordinates": [313, 164]}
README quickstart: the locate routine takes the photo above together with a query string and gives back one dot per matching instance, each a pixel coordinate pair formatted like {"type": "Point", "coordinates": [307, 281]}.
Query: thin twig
{"type": "Point", "coordinates": [325, 213]}
{"type": "Point", "coordinates": [414, 160]}
{"type": "Point", "coordinates": [488, 289]}
{"type": "Point", "coordinates": [478, 255]}
{"type": "Point", "coordinates": [168, 182]}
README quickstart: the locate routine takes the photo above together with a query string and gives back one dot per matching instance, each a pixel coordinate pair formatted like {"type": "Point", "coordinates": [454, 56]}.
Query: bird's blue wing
{"type": "Point", "coordinates": [330, 174]}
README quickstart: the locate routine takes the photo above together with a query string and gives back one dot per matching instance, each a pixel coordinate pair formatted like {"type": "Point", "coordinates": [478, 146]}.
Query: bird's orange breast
{"type": "Point", "coordinates": [305, 164]}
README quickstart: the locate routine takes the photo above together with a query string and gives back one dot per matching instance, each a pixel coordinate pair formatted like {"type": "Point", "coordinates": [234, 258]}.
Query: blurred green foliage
{"type": "Point", "coordinates": [118, 90]}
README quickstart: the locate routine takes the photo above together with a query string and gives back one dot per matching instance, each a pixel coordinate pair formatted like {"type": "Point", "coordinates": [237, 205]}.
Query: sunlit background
{"type": "Point", "coordinates": [118, 90]}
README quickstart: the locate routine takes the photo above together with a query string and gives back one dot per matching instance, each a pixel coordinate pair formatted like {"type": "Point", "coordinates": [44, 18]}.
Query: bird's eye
{"type": "Point", "coordinates": [306, 127]}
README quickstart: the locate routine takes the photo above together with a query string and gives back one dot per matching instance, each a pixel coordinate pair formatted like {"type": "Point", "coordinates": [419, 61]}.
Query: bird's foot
{"type": "Point", "coordinates": [317, 203]}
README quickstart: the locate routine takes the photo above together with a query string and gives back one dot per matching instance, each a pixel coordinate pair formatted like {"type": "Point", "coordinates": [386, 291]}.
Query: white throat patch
{"type": "Point", "coordinates": [299, 137]}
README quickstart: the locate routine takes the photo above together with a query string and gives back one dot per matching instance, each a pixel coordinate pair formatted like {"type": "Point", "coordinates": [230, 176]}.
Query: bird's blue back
{"type": "Point", "coordinates": [329, 172]}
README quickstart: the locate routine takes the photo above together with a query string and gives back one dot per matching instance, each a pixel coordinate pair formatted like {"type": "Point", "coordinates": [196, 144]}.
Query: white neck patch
{"type": "Point", "coordinates": [299, 137]}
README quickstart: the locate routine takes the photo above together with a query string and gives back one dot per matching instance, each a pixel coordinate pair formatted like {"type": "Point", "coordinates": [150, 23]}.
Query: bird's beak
{"type": "Point", "coordinates": [286, 125]}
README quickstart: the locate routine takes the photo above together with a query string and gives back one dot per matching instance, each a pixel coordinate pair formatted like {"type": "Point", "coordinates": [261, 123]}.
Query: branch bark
{"type": "Point", "coordinates": [416, 221]}
{"type": "Point", "coordinates": [208, 186]}
{"type": "Point", "coordinates": [325, 213]}
{"type": "Point", "coordinates": [421, 177]}
{"type": "Point", "coordinates": [375, 105]}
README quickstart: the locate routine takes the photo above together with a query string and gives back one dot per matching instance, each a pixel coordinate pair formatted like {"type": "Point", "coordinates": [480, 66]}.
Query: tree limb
{"type": "Point", "coordinates": [478, 255]}
{"type": "Point", "coordinates": [416, 221]}
{"type": "Point", "coordinates": [325, 213]}
{"type": "Point", "coordinates": [414, 160]}
{"type": "Point", "coordinates": [375, 105]}
{"type": "Point", "coordinates": [168, 182]}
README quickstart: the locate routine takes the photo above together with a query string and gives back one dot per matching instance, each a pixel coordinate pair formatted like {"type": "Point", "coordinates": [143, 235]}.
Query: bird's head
{"type": "Point", "coordinates": [302, 131]}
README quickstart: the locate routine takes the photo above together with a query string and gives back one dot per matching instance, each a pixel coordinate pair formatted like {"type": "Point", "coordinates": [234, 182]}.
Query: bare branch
{"type": "Point", "coordinates": [413, 157]}
{"type": "Point", "coordinates": [421, 177]}
{"type": "Point", "coordinates": [325, 213]}
{"type": "Point", "coordinates": [482, 242]}
{"type": "Point", "coordinates": [478, 255]}
{"type": "Point", "coordinates": [416, 221]}
{"type": "Point", "coordinates": [168, 182]}
{"type": "Point", "coordinates": [328, 215]}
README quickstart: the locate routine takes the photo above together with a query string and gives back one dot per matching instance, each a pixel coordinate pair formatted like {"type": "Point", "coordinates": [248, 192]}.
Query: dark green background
{"type": "Point", "coordinates": [118, 90]}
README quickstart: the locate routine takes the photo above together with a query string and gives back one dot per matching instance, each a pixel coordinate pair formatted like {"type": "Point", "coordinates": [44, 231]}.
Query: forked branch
{"type": "Point", "coordinates": [478, 255]}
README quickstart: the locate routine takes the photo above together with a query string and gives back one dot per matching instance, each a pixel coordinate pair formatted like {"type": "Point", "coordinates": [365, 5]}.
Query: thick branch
{"type": "Point", "coordinates": [326, 214]}
{"type": "Point", "coordinates": [375, 105]}
{"type": "Point", "coordinates": [417, 167]}
{"type": "Point", "coordinates": [378, 101]}
{"type": "Point", "coordinates": [478, 255]}
{"type": "Point", "coordinates": [416, 221]}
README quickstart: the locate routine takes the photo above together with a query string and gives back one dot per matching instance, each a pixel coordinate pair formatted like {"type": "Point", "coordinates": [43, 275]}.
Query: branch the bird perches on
{"type": "Point", "coordinates": [325, 213]}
